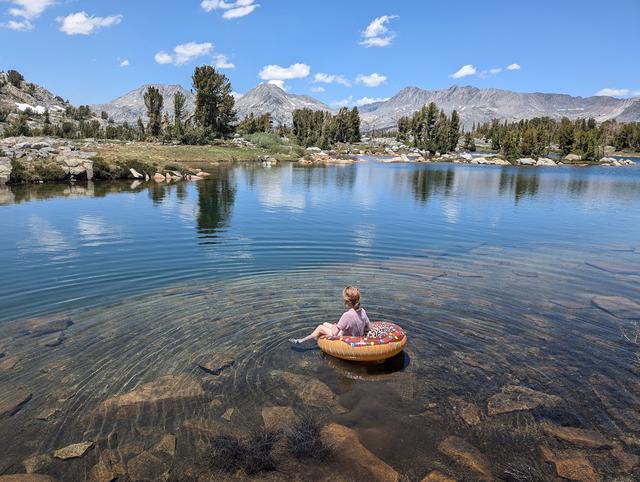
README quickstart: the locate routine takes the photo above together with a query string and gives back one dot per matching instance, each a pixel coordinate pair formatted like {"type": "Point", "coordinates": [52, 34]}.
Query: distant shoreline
{"type": "Point", "coordinates": [34, 160]}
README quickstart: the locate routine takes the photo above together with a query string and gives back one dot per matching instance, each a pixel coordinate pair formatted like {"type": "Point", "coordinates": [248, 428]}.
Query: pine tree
{"type": "Point", "coordinates": [354, 126]}
{"type": "Point", "coordinates": [153, 102]}
{"type": "Point", "coordinates": [214, 103]}
{"type": "Point", "coordinates": [454, 131]}
{"type": "Point", "coordinates": [141, 131]}
{"type": "Point", "coordinates": [179, 100]}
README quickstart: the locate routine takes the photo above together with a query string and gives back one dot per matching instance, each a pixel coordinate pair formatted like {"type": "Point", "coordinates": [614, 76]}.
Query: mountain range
{"type": "Point", "coordinates": [474, 105]}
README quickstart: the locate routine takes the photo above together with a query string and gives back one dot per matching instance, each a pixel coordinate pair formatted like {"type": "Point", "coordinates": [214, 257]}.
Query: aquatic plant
{"type": "Point", "coordinates": [304, 439]}
{"type": "Point", "coordinates": [230, 453]}
{"type": "Point", "coordinates": [227, 453]}
{"type": "Point", "coordinates": [258, 458]}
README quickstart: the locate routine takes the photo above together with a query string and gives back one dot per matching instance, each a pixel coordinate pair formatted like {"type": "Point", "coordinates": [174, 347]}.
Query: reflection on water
{"type": "Point", "coordinates": [135, 313]}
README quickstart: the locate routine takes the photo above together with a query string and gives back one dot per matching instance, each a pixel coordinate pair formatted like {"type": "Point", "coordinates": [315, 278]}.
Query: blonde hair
{"type": "Point", "coordinates": [351, 296]}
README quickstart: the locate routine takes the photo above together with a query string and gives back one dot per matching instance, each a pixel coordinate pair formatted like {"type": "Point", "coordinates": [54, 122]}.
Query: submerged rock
{"type": "Point", "coordinates": [26, 478]}
{"type": "Point", "coordinates": [277, 418]}
{"type": "Point", "coordinates": [349, 450]}
{"type": "Point", "coordinates": [36, 463]}
{"type": "Point", "coordinates": [228, 413]}
{"type": "Point", "coordinates": [146, 467]}
{"type": "Point", "coordinates": [571, 465]}
{"type": "Point", "coordinates": [73, 451]}
{"type": "Point", "coordinates": [169, 388]}
{"type": "Point", "coordinates": [167, 445]}
{"type": "Point", "coordinates": [436, 476]}
{"type": "Point", "coordinates": [52, 340]}
{"type": "Point", "coordinates": [7, 363]}
{"type": "Point", "coordinates": [614, 268]}
{"type": "Point", "coordinates": [109, 468]}
{"type": "Point", "coordinates": [467, 411]}
{"type": "Point", "coordinates": [12, 401]}
{"type": "Point", "coordinates": [310, 390]}
{"type": "Point", "coordinates": [46, 326]}
{"type": "Point", "coordinates": [626, 460]}
{"type": "Point", "coordinates": [618, 306]}
{"type": "Point", "coordinates": [577, 436]}
{"type": "Point", "coordinates": [515, 398]}
{"type": "Point", "coordinates": [467, 456]}
{"type": "Point", "coordinates": [47, 414]}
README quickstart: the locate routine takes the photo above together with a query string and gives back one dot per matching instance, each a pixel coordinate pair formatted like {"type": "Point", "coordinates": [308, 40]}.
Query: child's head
{"type": "Point", "coordinates": [351, 297]}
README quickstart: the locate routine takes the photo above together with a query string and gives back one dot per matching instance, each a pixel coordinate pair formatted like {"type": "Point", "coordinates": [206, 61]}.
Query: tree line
{"type": "Point", "coordinates": [214, 115]}
{"type": "Point", "coordinates": [430, 129]}
{"type": "Point", "coordinates": [323, 129]}
{"type": "Point", "coordinates": [538, 136]}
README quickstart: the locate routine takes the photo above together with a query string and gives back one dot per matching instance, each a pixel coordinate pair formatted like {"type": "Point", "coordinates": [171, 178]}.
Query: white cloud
{"type": "Point", "coordinates": [124, 63]}
{"type": "Point", "coordinates": [30, 9]}
{"type": "Point", "coordinates": [342, 102]}
{"type": "Point", "coordinates": [377, 34]}
{"type": "Point", "coordinates": [613, 92]}
{"type": "Point", "coordinates": [220, 61]}
{"type": "Point", "coordinates": [464, 71]}
{"type": "Point", "coordinates": [372, 80]}
{"type": "Point", "coordinates": [276, 72]}
{"type": "Point", "coordinates": [513, 67]}
{"type": "Point", "coordinates": [278, 82]}
{"type": "Point", "coordinates": [184, 53]}
{"type": "Point", "coordinates": [635, 93]}
{"type": "Point", "coordinates": [349, 101]}
{"type": "Point", "coordinates": [317, 89]}
{"type": "Point", "coordinates": [82, 24]}
{"type": "Point", "coordinates": [495, 70]}
{"type": "Point", "coordinates": [331, 78]}
{"type": "Point", "coordinates": [18, 25]}
{"type": "Point", "coordinates": [237, 9]}
{"type": "Point", "coordinates": [370, 100]}
{"type": "Point", "coordinates": [26, 11]}
{"type": "Point", "coordinates": [163, 58]}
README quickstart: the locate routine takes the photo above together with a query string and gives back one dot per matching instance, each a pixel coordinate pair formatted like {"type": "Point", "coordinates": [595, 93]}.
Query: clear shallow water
{"type": "Point", "coordinates": [492, 271]}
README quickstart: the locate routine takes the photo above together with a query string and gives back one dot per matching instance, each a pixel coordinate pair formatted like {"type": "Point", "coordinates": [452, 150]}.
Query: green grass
{"type": "Point", "coordinates": [162, 155]}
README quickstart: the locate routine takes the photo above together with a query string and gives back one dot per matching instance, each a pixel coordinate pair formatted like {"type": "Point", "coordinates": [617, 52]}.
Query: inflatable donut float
{"type": "Point", "coordinates": [383, 341]}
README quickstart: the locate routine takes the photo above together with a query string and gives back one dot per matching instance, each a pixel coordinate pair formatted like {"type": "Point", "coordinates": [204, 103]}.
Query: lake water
{"type": "Point", "coordinates": [518, 289]}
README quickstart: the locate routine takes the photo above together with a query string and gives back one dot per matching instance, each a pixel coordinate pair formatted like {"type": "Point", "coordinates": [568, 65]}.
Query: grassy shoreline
{"type": "Point", "coordinates": [185, 154]}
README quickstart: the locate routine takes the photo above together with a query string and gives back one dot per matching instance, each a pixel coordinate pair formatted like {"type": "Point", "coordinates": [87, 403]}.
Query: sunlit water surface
{"type": "Point", "coordinates": [498, 276]}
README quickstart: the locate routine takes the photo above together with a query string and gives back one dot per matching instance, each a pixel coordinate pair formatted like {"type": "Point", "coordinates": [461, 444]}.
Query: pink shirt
{"type": "Point", "coordinates": [354, 323]}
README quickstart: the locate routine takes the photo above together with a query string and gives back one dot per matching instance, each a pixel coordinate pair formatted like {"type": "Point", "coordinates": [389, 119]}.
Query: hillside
{"type": "Point", "coordinates": [482, 105]}
{"type": "Point", "coordinates": [271, 98]}
{"type": "Point", "coordinates": [130, 106]}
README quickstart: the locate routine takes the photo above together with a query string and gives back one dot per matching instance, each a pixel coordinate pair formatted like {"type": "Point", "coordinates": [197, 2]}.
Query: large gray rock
{"type": "Point", "coordinates": [572, 157]}
{"type": "Point", "coordinates": [526, 161]}
{"type": "Point", "coordinates": [545, 161]}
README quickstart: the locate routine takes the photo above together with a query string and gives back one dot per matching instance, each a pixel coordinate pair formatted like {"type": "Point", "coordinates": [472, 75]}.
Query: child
{"type": "Point", "coordinates": [353, 322]}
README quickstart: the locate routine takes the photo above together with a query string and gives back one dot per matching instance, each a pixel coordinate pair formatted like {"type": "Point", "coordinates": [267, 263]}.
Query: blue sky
{"type": "Point", "coordinates": [345, 51]}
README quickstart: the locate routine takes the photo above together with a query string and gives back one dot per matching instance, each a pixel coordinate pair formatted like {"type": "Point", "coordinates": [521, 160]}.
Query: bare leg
{"type": "Point", "coordinates": [325, 329]}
